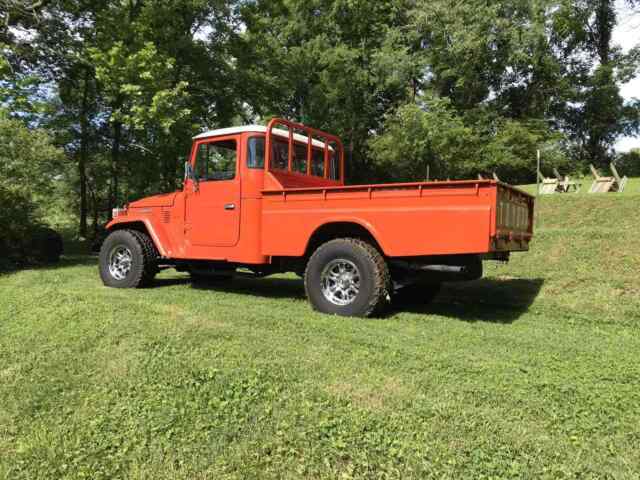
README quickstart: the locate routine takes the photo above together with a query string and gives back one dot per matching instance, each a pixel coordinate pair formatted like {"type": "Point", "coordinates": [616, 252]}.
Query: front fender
{"type": "Point", "coordinates": [136, 222]}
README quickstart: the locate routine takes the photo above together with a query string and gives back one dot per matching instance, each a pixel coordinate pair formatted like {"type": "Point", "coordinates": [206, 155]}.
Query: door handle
{"type": "Point", "coordinates": [230, 206]}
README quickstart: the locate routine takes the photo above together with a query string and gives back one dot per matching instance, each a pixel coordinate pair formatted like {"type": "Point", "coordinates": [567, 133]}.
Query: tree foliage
{"type": "Point", "coordinates": [29, 169]}
{"type": "Point", "coordinates": [425, 141]}
{"type": "Point", "coordinates": [629, 163]}
{"type": "Point", "coordinates": [29, 162]}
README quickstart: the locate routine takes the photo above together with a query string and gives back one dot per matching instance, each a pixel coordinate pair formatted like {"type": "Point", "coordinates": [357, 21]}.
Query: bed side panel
{"type": "Point", "coordinates": [408, 221]}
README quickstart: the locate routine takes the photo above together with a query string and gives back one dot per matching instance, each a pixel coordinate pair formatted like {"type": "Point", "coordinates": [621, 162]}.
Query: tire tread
{"type": "Point", "coordinates": [150, 256]}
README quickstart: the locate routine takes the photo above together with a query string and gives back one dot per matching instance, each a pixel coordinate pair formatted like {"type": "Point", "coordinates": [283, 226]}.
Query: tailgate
{"type": "Point", "coordinates": [514, 220]}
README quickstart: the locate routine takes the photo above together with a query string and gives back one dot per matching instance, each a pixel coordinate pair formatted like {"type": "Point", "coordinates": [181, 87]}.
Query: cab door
{"type": "Point", "coordinates": [212, 216]}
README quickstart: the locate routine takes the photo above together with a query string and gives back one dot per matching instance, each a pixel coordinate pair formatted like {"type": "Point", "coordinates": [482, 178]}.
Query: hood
{"type": "Point", "coordinates": [164, 200]}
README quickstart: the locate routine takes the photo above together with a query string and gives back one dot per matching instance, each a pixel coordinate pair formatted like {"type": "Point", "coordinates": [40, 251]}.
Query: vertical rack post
{"type": "Point", "coordinates": [309, 151]}
{"type": "Point", "coordinates": [290, 159]}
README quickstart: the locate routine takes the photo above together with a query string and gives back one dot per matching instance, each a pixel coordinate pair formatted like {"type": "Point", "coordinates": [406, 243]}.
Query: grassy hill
{"type": "Point", "coordinates": [531, 372]}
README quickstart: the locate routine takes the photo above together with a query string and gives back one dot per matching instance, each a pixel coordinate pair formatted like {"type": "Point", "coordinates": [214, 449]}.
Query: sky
{"type": "Point", "coordinates": [627, 35]}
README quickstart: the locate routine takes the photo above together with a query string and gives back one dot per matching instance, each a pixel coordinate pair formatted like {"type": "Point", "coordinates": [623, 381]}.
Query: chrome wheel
{"type": "Point", "coordinates": [340, 281]}
{"type": "Point", "coordinates": [120, 261]}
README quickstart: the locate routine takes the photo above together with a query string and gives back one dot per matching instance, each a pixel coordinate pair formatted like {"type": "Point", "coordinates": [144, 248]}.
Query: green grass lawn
{"type": "Point", "coordinates": [532, 372]}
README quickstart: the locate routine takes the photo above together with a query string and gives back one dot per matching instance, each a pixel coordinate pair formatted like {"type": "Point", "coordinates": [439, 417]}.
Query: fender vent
{"type": "Point", "coordinates": [165, 216]}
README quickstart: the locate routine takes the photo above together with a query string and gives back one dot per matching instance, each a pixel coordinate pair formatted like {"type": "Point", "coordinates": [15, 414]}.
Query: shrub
{"type": "Point", "coordinates": [24, 240]}
{"type": "Point", "coordinates": [461, 147]}
{"type": "Point", "coordinates": [629, 163]}
{"type": "Point", "coordinates": [28, 165]}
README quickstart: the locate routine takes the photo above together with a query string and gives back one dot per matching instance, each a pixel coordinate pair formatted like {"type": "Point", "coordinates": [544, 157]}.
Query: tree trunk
{"type": "Point", "coordinates": [604, 116]}
{"type": "Point", "coordinates": [115, 160]}
{"type": "Point", "coordinates": [84, 151]}
{"type": "Point", "coordinates": [605, 22]}
{"type": "Point", "coordinates": [94, 211]}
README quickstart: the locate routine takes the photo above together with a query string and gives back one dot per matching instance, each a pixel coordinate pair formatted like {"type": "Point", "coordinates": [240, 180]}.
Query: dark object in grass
{"type": "Point", "coordinates": [46, 245]}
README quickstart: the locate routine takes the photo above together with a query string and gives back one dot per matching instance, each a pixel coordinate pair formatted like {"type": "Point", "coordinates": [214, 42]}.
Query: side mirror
{"type": "Point", "coordinates": [189, 174]}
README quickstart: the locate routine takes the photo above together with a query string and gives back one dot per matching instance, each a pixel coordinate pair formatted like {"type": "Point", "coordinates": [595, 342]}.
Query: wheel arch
{"type": "Point", "coordinates": [341, 229]}
{"type": "Point", "coordinates": [142, 226]}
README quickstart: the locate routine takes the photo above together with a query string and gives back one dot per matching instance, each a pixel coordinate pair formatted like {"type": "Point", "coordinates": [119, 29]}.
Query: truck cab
{"type": "Point", "coordinates": [271, 199]}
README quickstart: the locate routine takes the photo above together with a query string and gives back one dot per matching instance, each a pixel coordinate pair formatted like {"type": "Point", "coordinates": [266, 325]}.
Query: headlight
{"type": "Point", "coordinates": [118, 212]}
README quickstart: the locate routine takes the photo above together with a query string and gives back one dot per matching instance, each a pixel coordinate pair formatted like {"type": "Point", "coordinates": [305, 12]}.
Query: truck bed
{"type": "Point", "coordinates": [406, 219]}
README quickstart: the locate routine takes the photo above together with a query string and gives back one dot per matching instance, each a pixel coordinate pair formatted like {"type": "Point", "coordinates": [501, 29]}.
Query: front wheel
{"type": "Point", "coordinates": [347, 277]}
{"type": "Point", "coordinates": [127, 259]}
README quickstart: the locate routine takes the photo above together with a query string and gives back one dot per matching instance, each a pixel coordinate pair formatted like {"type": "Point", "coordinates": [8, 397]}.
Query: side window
{"type": "Point", "coordinates": [280, 156]}
{"type": "Point", "coordinates": [300, 158]}
{"type": "Point", "coordinates": [256, 153]}
{"type": "Point", "coordinates": [334, 166]}
{"type": "Point", "coordinates": [317, 163]}
{"type": "Point", "coordinates": [216, 161]}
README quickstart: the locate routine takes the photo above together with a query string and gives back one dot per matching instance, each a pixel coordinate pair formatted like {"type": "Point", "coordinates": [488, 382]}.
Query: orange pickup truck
{"type": "Point", "coordinates": [272, 199]}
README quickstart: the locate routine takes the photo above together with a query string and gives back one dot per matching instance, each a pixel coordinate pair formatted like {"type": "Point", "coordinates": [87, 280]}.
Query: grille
{"type": "Point", "coordinates": [165, 216]}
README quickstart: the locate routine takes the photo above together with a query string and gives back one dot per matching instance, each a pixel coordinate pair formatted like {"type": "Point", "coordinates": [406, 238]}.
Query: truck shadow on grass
{"type": "Point", "coordinates": [258, 287]}
{"type": "Point", "coordinates": [494, 300]}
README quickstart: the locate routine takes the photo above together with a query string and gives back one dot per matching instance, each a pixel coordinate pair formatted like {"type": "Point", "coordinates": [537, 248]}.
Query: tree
{"type": "Point", "coordinates": [29, 170]}
{"type": "Point", "coordinates": [486, 100]}
{"type": "Point", "coordinates": [313, 62]}
{"type": "Point", "coordinates": [427, 138]}
{"type": "Point", "coordinates": [595, 114]}
{"type": "Point", "coordinates": [432, 135]}
{"type": "Point", "coordinates": [135, 78]}
{"type": "Point", "coordinates": [29, 161]}
{"type": "Point", "coordinates": [629, 163]}
{"type": "Point", "coordinates": [160, 81]}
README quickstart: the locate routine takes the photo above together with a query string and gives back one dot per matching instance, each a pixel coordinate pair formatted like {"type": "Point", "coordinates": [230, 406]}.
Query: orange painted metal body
{"type": "Point", "coordinates": [276, 212]}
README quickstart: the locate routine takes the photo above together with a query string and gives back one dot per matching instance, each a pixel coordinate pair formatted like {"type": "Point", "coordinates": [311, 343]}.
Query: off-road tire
{"type": "Point", "coordinates": [144, 259]}
{"type": "Point", "coordinates": [418, 293]}
{"type": "Point", "coordinates": [375, 279]}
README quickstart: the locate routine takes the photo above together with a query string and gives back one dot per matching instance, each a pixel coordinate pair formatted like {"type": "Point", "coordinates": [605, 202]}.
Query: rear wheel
{"type": "Point", "coordinates": [347, 277]}
{"type": "Point", "coordinates": [128, 260]}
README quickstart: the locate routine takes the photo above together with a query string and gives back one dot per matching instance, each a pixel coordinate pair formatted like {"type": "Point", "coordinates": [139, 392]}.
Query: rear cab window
{"type": "Point", "coordinates": [280, 157]}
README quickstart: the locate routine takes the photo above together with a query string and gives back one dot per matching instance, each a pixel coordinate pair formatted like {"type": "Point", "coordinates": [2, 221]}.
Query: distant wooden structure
{"type": "Point", "coordinates": [607, 184]}
{"type": "Point", "coordinates": [620, 181]}
{"type": "Point", "coordinates": [565, 184]}
{"type": "Point", "coordinates": [548, 186]}
{"type": "Point", "coordinates": [495, 177]}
